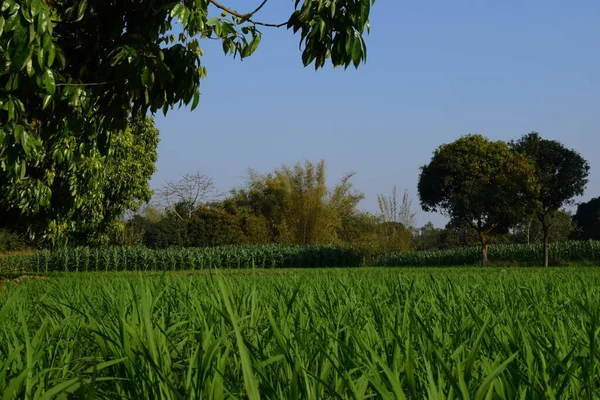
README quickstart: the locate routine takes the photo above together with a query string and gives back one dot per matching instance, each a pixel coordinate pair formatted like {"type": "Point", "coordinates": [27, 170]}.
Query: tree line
{"type": "Point", "coordinates": [492, 192]}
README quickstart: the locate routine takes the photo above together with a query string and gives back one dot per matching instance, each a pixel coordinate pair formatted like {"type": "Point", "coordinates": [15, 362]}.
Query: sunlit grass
{"type": "Point", "coordinates": [311, 334]}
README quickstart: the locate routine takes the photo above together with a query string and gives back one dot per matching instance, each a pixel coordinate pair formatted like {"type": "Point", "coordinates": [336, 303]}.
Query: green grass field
{"type": "Point", "coordinates": [460, 333]}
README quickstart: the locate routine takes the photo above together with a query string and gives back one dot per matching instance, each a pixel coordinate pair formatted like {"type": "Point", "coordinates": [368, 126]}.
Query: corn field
{"type": "Point", "coordinates": [301, 334]}
{"type": "Point", "coordinates": [566, 253]}
{"type": "Point", "coordinates": [143, 259]}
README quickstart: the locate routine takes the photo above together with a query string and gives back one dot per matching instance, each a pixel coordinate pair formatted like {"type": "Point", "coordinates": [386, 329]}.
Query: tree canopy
{"type": "Point", "coordinates": [87, 191]}
{"type": "Point", "coordinates": [587, 218]}
{"type": "Point", "coordinates": [73, 72]}
{"type": "Point", "coordinates": [479, 182]}
{"type": "Point", "coordinates": [561, 173]}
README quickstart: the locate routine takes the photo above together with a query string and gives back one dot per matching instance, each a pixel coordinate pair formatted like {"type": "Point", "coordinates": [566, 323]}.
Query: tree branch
{"type": "Point", "coordinates": [91, 83]}
{"type": "Point", "coordinates": [247, 17]}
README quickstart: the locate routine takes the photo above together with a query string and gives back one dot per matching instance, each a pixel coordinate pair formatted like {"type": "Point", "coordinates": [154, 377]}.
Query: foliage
{"type": "Point", "coordinates": [88, 191]}
{"type": "Point", "coordinates": [587, 218]}
{"type": "Point", "coordinates": [356, 334]}
{"type": "Point", "coordinates": [213, 227]}
{"type": "Point", "coordinates": [10, 242]}
{"type": "Point", "coordinates": [563, 253]}
{"type": "Point", "coordinates": [73, 72]}
{"type": "Point", "coordinates": [428, 237]}
{"type": "Point", "coordinates": [297, 204]}
{"type": "Point", "coordinates": [531, 231]}
{"type": "Point", "coordinates": [479, 182]}
{"type": "Point", "coordinates": [142, 259]}
{"type": "Point", "coordinates": [397, 221]}
{"type": "Point", "coordinates": [561, 173]}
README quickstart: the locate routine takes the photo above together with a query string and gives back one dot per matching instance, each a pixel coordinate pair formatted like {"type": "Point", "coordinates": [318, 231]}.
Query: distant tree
{"type": "Point", "coordinates": [209, 227]}
{"type": "Point", "coordinates": [531, 230]}
{"type": "Point", "coordinates": [587, 218]}
{"type": "Point", "coordinates": [397, 221]}
{"type": "Point", "coordinates": [185, 196]}
{"type": "Point", "coordinates": [561, 173]}
{"type": "Point", "coordinates": [479, 182]}
{"type": "Point", "coordinates": [428, 237]}
{"type": "Point", "coordinates": [298, 205]}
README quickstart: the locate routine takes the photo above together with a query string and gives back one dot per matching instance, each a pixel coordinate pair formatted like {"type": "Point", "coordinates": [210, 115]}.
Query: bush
{"type": "Point", "coordinates": [10, 242]}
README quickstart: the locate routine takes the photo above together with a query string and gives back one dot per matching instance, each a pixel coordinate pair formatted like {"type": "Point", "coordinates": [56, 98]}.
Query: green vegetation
{"type": "Point", "coordinates": [391, 334]}
{"type": "Point", "coordinates": [73, 73]}
{"type": "Point", "coordinates": [561, 174]}
{"type": "Point", "coordinates": [561, 254]}
{"type": "Point", "coordinates": [142, 259]}
{"type": "Point", "coordinates": [274, 256]}
{"type": "Point", "coordinates": [480, 183]}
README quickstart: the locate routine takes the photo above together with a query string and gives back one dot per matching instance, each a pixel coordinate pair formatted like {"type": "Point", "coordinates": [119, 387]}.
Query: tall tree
{"type": "Point", "coordinates": [479, 182]}
{"type": "Point", "coordinates": [106, 186]}
{"type": "Point", "coordinates": [562, 174]}
{"type": "Point", "coordinates": [74, 71]}
{"type": "Point", "coordinates": [587, 218]}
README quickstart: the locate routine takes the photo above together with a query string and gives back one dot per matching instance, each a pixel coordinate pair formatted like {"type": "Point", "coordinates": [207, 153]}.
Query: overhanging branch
{"type": "Point", "coordinates": [248, 16]}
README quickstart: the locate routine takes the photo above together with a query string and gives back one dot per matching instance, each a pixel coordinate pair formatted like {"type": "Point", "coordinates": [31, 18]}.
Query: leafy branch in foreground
{"type": "Point", "coordinates": [77, 70]}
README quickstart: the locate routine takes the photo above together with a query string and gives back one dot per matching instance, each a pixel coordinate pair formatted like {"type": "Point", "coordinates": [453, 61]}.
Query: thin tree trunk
{"type": "Point", "coordinates": [546, 246]}
{"type": "Point", "coordinates": [484, 251]}
{"type": "Point", "coordinates": [528, 231]}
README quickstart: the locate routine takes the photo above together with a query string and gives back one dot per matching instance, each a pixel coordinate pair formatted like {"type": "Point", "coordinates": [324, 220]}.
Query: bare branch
{"type": "Point", "coordinates": [186, 196]}
{"type": "Point", "coordinates": [247, 17]}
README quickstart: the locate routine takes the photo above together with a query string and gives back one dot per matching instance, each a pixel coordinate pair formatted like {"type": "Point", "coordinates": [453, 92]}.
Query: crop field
{"type": "Point", "coordinates": [452, 333]}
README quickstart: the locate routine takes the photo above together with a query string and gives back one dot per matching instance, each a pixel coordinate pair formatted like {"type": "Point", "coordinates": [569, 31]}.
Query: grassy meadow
{"type": "Point", "coordinates": [389, 333]}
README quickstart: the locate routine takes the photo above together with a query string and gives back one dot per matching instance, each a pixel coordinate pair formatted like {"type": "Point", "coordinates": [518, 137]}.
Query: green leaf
{"type": "Point", "coordinates": [36, 6]}
{"type": "Point", "coordinates": [254, 44]}
{"type": "Point", "coordinates": [49, 82]}
{"type": "Point", "coordinates": [177, 10]}
{"type": "Point", "coordinates": [42, 24]}
{"type": "Point", "coordinates": [196, 100]}
{"type": "Point", "coordinates": [18, 133]}
{"type": "Point", "coordinates": [51, 54]}
{"type": "Point", "coordinates": [10, 108]}
{"type": "Point", "coordinates": [47, 100]}
{"type": "Point", "coordinates": [29, 68]}
{"type": "Point", "coordinates": [40, 57]}
{"type": "Point", "coordinates": [23, 169]}
{"type": "Point", "coordinates": [356, 50]}
{"type": "Point", "coordinates": [481, 392]}
{"type": "Point", "coordinates": [81, 10]}
{"type": "Point", "coordinates": [22, 57]}
{"type": "Point", "coordinates": [145, 76]}
{"type": "Point", "coordinates": [2, 21]}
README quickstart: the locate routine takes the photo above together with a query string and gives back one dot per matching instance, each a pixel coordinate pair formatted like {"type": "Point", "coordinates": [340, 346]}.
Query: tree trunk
{"type": "Point", "coordinates": [545, 229]}
{"type": "Point", "coordinates": [484, 251]}
{"type": "Point", "coordinates": [528, 231]}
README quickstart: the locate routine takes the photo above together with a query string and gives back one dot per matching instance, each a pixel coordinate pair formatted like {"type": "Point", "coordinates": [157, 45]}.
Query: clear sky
{"type": "Point", "coordinates": [436, 70]}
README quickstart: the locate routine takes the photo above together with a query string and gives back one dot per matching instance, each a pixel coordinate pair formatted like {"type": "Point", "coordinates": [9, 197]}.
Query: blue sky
{"type": "Point", "coordinates": [436, 70]}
